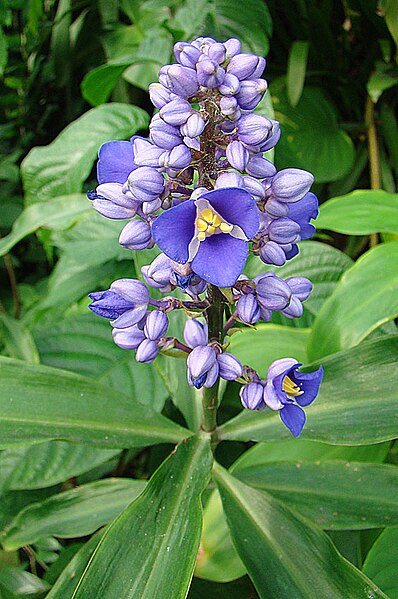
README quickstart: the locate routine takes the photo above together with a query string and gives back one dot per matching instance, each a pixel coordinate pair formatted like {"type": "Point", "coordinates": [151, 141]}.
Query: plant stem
{"type": "Point", "coordinates": [215, 320]}
{"type": "Point", "coordinates": [374, 157]}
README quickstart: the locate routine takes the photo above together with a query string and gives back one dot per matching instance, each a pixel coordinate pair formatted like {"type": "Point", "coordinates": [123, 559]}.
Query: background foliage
{"type": "Point", "coordinates": [83, 426]}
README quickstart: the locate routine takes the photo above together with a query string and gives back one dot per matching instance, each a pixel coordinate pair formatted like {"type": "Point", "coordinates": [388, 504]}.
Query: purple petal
{"type": "Point", "coordinates": [270, 397]}
{"type": "Point", "coordinates": [237, 207]}
{"type": "Point", "coordinates": [309, 382]}
{"type": "Point", "coordinates": [115, 162]}
{"type": "Point", "coordinates": [174, 229]}
{"type": "Point", "coordinates": [293, 417]}
{"type": "Point", "coordinates": [281, 366]}
{"type": "Point", "coordinates": [220, 259]}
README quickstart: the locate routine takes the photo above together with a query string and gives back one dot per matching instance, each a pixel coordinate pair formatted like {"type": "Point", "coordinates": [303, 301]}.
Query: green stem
{"type": "Point", "coordinates": [215, 320]}
{"type": "Point", "coordinates": [374, 157]}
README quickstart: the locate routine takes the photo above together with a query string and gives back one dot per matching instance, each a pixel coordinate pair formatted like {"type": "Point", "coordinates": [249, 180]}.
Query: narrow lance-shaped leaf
{"type": "Point", "coordinates": [38, 403]}
{"type": "Point", "coordinates": [381, 563]}
{"type": "Point", "coordinates": [285, 554]}
{"type": "Point", "coordinates": [150, 550]}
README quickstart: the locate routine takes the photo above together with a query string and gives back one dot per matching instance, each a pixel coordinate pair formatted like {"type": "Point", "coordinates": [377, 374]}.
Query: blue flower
{"type": "Point", "coordinates": [211, 232]}
{"type": "Point", "coordinates": [289, 391]}
{"type": "Point", "coordinates": [116, 161]}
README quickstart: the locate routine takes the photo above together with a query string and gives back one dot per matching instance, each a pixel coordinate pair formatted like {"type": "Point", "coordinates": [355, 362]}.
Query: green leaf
{"type": "Point", "coordinates": [381, 563]}
{"type": "Point", "coordinates": [165, 522]}
{"type": "Point", "coordinates": [311, 136]}
{"type": "Point", "coordinates": [391, 16]}
{"type": "Point", "coordinates": [296, 69]}
{"type": "Point", "coordinates": [358, 383]}
{"type": "Point", "coordinates": [39, 403]}
{"type": "Point", "coordinates": [384, 77]}
{"type": "Point", "coordinates": [17, 339]}
{"type": "Point", "coordinates": [84, 344]}
{"type": "Point", "coordinates": [268, 342]}
{"type": "Point", "coordinates": [16, 583]}
{"type": "Point", "coordinates": [74, 513]}
{"type": "Point", "coordinates": [60, 213]}
{"type": "Point", "coordinates": [98, 84]}
{"type": "Point", "coordinates": [336, 495]}
{"type": "Point", "coordinates": [3, 51]}
{"type": "Point", "coordinates": [360, 212]}
{"type": "Point", "coordinates": [285, 554]}
{"type": "Point", "coordinates": [49, 463]}
{"type": "Point", "coordinates": [365, 298]}
{"type": "Point", "coordinates": [153, 52]}
{"type": "Point", "coordinates": [321, 263]}
{"type": "Point", "coordinates": [62, 167]}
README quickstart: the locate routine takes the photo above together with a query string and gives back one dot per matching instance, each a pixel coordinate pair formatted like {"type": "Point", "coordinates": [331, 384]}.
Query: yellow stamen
{"type": "Point", "coordinates": [211, 230]}
{"type": "Point", "coordinates": [290, 387]}
{"type": "Point", "coordinates": [226, 228]}
{"type": "Point", "coordinates": [216, 220]}
{"type": "Point", "coordinates": [201, 236]}
{"type": "Point", "coordinates": [207, 214]}
{"type": "Point", "coordinates": [201, 224]}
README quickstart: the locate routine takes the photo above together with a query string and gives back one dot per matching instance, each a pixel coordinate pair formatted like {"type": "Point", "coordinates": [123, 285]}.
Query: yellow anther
{"type": "Point", "coordinates": [226, 228]}
{"type": "Point", "coordinates": [207, 214]}
{"type": "Point", "coordinates": [201, 224]}
{"type": "Point", "coordinates": [216, 220]}
{"type": "Point", "coordinates": [201, 236]}
{"type": "Point", "coordinates": [210, 230]}
{"type": "Point", "coordinates": [291, 388]}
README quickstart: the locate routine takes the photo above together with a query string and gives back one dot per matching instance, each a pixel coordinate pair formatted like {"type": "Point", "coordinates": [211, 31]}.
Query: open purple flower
{"type": "Point", "coordinates": [211, 232]}
{"type": "Point", "coordinates": [115, 161]}
{"type": "Point", "coordinates": [289, 390]}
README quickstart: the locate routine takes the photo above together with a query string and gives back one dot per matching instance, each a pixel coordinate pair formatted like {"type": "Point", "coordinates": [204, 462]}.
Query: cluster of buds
{"type": "Point", "coordinates": [201, 190]}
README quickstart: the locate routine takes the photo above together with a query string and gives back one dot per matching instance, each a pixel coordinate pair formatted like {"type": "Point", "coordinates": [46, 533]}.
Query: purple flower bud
{"type": "Point", "coordinates": [254, 129]}
{"type": "Point", "coordinates": [251, 396]}
{"type": "Point", "coordinates": [283, 231]}
{"type": "Point", "coordinates": [247, 309]}
{"type": "Point", "coordinates": [158, 273]}
{"type": "Point", "coordinates": [182, 81]}
{"type": "Point", "coordinates": [254, 187]}
{"type": "Point", "coordinates": [251, 93]}
{"type": "Point", "coordinates": [164, 135]}
{"type": "Point", "coordinates": [272, 292]}
{"type": "Point", "coordinates": [146, 351]}
{"type": "Point", "coordinates": [217, 52]}
{"type": "Point", "coordinates": [136, 235]}
{"type": "Point", "coordinates": [195, 333]}
{"type": "Point", "coordinates": [237, 155]}
{"type": "Point", "coordinates": [110, 201]}
{"type": "Point", "coordinates": [276, 209]}
{"type": "Point", "coordinates": [202, 366]}
{"type": "Point", "coordinates": [128, 338]}
{"type": "Point", "coordinates": [294, 309]}
{"type": "Point", "coordinates": [145, 183]}
{"type": "Point", "coordinates": [151, 207]}
{"type": "Point", "coordinates": [228, 105]}
{"type": "Point", "coordinates": [177, 158]}
{"type": "Point", "coordinates": [230, 86]}
{"type": "Point", "coordinates": [246, 66]}
{"type": "Point", "coordinates": [192, 142]}
{"type": "Point", "coordinates": [210, 74]}
{"type": "Point", "coordinates": [176, 112]}
{"type": "Point", "coordinates": [148, 154]}
{"type": "Point", "coordinates": [260, 167]}
{"type": "Point", "coordinates": [272, 138]}
{"type": "Point", "coordinates": [156, 325]}
{"type": "Point", "coordinates": [198, 193]}
{"type": "Point", "coordinates": [300, 286]}
{"type": "Point", "coordinates": [229, 180]}
{"type": "Point", "coordinates": [230, 367]}
{"type": "Point", "coordinates": [159, 94]}
{"type": "Point", "coordinates": [125, 302]}
{"type": "Point", "coordinates": [291, 184]}
{"type": "Point", "coordinates": [194, 126]}
{"type": "Point", "coordinates": [272, 253]}
{"type": "Point", "coordinates": [232, 47]}
{"type": "Point", "coordinates": [186, 54]}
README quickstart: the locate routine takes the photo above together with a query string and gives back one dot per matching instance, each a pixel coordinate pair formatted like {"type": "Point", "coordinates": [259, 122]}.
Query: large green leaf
{"type": "Point", "coordinates": [285, 554]}
{"type": "Point", "coordinates": [74, 513]}
{"type": "Point", "coordinates": [357, 403]}
{"type": "Point", "coordinates": [360, 212]}
{"type": "Point", "coordinates": [321, 263]}
{"type": "Point", "coordinates": [84, 344]}
{"type": "Point", "coordinates": [153, 52]}
{"type": "Point", "coordinates": [17, 339]}
{"type": "Point", "coordinates": [381, 563]}
{"type": "Point", "coordinates": [62, 167]}
{"type": "Point", "coordinates": [336, 495]}
{"type": "Point", "coordinates": [60, 213]}
{"type": "Point", "coordinates": [365, 298]}
{"type": "Point", "coordinates": [39, 403]}
{"type": "Point", "coordinates": [311, 138]}
{"type": "Point", "coordinates": [150, 550]}
{"type": "Point", "coordinates": [49, 463]}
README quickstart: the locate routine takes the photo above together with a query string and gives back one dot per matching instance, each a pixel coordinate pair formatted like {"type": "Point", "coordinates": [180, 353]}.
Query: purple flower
{"type": "Point", "coordinates": [195, 333]}
{"type": "Point", "coordinates": [251, 396]}
{"type": "Point", "coordinates": [125, 302]}
{"type": "Point", "coordinates": [115, 161]}
{"type": "Point", "coordinates": [230, 367]}
{"type": "Point", "coordinates": [302, 212]}
{"type": "Point", "coordinates": [211, 232]}
{"type": "Point", "coordinates": [289, 390]}
{"type": "Point", "coordinates": [128, 338]}
{"type": "Point", "coordinates": [203, 367]}
{"type": "Point", "coordinates": [136, 235]}
{"type": "Point", "coordinates": [110, 201]}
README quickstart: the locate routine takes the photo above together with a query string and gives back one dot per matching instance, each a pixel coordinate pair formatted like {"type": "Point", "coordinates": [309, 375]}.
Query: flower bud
{"type": "Point", "coordinates": [110, 201]}
{"type": "Point", "coordinates": [246, 66]}
{"type": "Point", "coordinates": [230, 367]}
{"type": "Point", "coordinates": [232, 47]}
{"type": "Point", "coordinates": [159, 94]}
{"type": "Point", "coordinates": [177, 158]}
{"type": "Point", "coordinates": [230, 86]}
{"type": "Point", "coordinates": [182, 81]}
{"type": "Point", "coordinates": [194, 126]}
{"type": "Point", "coordinates": [151, 207]}
{"type": "Point", "coordinates": [260, 167]}
{"type": "Point", "coordinates": [176, 112]}
{"type": "Point", "coordinates": [125, 302]}
{"type": "Point", "coordinates": [272, 253]}
{"type": "Point", "coordinates": [294, 309]}
{"type": "Point", "coordinates": [202, 366]}
{"type": "Point", "coordinates": [251, 396]}
{"type": "Point", "coordinates": [237, 155]}
{"type": "Point", "coordinates": [291, 184]}
{"type": "Point", "coordinates": [195, 333]}
{"type": "Point", "coordinates": [186, 54]}
{"type": "Point", "coordinates": [217, 52]}
{"type": "Point", "coordinates": [136, 235]}
{"type": "Point", "coordinates": [247, 309]}
{"type": "Point", "coordinates": [156, 325]}
{"type": "Point", "coordinates": [300, 286]}
{"type": "Point", "coordinates": [128, 338]}
{"type": "Point", "coordinates": [251, 93]}
{"type": "Point", "coordinates": [254, 129]}
{"type": "Point", "coordinates": [229, 180]}
{"type": "Point", "coordinates": [272, 138]}
{"type": "Point", "coordinates": [191, 142]}
{"type": "Point", "coordinates": [210, 74]}
{"type": "Point", "coordinates": [149, 155]}
{"type": "Point", "coordinates": [272, 292]}
{"type": "Point", "coordinates": [276, 209]}
{"type": "Point", "coordinates": [283, 231]}
{"type": "Point", "coordinates": [145, 183]}
{"type": "Point", "coordinates": [158, 273]}
{"type": "Point", "coordinates": [254, 187]}
{"type": "Point", "coordinates": [146, 351]}
{"type": "Point", "coordinates": [228, 105]}
{"type": "Point", "coordinates": [164, 135]}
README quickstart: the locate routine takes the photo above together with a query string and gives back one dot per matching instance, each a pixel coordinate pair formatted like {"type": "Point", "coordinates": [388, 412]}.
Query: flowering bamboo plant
{"type": "Point", "coordinates": [201, 190]}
